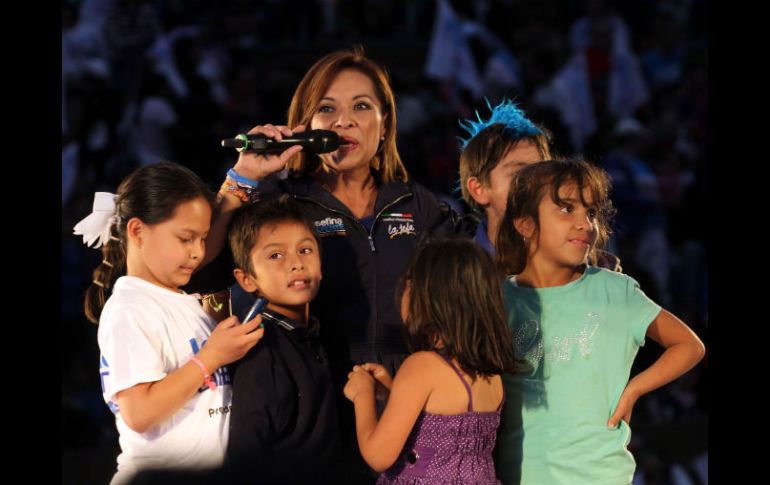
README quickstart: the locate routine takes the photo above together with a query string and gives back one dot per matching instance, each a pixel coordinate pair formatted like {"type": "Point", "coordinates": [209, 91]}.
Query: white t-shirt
{"type": "Point", "coordinates": [146, 332]}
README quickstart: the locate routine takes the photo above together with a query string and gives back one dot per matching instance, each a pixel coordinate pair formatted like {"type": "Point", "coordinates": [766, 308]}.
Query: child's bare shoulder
{"type": "Point", "coordinates": [421, 361]}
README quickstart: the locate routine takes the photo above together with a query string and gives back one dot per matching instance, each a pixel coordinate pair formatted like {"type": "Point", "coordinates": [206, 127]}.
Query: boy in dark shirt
{"type": "Point", "coordinates": [284, 425]}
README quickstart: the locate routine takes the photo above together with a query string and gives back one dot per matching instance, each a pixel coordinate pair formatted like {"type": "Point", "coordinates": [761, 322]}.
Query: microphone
{"type": "Point", "coordinates": [313, 141]}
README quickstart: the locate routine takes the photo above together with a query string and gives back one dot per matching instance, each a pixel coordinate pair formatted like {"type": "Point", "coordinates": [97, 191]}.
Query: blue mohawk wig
{"type": "Point", "coordinates": [505, 113]}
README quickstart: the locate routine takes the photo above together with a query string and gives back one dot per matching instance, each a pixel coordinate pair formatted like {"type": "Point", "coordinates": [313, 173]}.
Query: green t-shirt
{"type": "Point", "coordinates": [578, 341]}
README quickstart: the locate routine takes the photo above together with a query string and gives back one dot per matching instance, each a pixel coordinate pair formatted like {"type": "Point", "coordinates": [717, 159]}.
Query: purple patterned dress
{"type": "Point", "coordinates": [453, 449]}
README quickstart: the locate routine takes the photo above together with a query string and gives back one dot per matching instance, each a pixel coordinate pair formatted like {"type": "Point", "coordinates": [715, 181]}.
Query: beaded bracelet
{"type": "Point", "coordinates": [207, 379]}
{"type": "Point", "coordinates": [244, 193]}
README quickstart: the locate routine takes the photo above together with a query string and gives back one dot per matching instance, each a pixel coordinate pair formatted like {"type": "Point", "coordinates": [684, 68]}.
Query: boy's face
{"type": "Point", "coordinates": [286, 267]}
{"type": "Point", "coordinates": [519, 156]}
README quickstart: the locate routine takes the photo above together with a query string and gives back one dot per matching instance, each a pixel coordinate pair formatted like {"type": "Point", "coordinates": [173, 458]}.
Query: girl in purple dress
{"type": "Point", "coordinates": [443, 410]}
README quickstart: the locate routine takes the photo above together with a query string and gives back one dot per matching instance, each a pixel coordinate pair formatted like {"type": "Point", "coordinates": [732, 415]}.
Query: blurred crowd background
{"type": "Point", "coordinates": [621, 83]}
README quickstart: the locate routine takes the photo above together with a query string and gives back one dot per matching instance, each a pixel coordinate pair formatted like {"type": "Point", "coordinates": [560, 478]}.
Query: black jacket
{"type": "Point", "coordinates": [284, 425]}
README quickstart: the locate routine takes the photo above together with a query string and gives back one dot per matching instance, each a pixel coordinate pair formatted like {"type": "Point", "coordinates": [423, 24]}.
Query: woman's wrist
{"type": "Point", "coordinates": [254, 176]}
{"type": "Point", "coordinates": [237, 190]}
{"type": "Point", "coordinates": [242, 180]}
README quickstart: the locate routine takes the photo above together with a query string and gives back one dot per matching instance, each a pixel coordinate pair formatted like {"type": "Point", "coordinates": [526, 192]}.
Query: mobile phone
{"type": "Point", "coordinates": [255, 309]}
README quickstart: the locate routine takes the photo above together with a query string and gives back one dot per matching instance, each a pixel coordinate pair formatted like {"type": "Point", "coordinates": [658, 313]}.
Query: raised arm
{"type": "Point", "coordinates": [253, 167]}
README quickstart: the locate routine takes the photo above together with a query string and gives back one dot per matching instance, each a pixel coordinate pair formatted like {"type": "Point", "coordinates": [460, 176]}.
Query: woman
{"type": "Point", "coordinates": [367, 212]}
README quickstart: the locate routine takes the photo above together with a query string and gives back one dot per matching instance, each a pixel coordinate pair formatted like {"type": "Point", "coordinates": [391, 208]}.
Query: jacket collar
{"type": "Point", "coordinates": [308, 188]}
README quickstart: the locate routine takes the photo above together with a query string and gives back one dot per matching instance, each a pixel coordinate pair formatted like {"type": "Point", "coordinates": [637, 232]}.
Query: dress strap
{"type": "Point", "coordinates": [467, 386]}
{"type": "Point", "coordinates": [502, 401]}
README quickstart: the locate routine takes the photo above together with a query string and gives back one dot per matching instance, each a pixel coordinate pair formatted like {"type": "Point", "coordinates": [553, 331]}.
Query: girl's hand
{"type": "Point", "coordinates": [230, 341]}
{"type": "Point", "coordinates": [380, 374]}
{"type": "Point", "coordinates": [360, 383]}
{"type": "Point", "coordinates": [257, 167]}
{"type": "Point", "coordinates": [624, 408]}
{"type": "Point", "coordinates": [213, 305]}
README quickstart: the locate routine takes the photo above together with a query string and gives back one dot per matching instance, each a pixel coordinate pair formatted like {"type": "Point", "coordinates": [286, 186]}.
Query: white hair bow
{"type": "Point", "coordinates": [97, 224]}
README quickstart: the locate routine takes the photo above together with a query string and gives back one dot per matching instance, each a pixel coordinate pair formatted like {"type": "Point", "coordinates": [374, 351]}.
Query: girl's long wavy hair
{"type": "Point", "coordinates": [528, 187]}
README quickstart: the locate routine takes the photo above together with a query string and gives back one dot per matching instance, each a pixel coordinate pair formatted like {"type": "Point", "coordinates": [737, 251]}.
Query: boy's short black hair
{"type": "Point", "coordinates": [249, 219]}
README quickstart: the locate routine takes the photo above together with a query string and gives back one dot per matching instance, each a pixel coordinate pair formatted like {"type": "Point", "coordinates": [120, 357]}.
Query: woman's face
{"type": "Point", "coordinates": [351, 108]}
